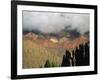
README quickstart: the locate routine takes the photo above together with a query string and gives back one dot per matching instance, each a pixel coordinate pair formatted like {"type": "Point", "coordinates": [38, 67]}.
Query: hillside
{"type": "Point", "coordinates": [37, 49]}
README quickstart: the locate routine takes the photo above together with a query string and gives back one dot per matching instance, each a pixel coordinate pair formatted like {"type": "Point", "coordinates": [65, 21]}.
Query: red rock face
{"type": "Point", "coordinates": [65, 43]}
{"type": "Point", "coordinates": [31, 36]}
{"type": "Point", "coordinates": [75, 43]}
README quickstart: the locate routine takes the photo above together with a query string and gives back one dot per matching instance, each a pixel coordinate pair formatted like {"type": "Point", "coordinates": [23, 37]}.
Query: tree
{"type": "Point", "coordinates": [73, 58]}
{"type": "Point", "coordinates": [82, 55]}
{"type": "Point", "coordinates": [87, 58]}
{"type": "Point", "coordinates": [66, 59]}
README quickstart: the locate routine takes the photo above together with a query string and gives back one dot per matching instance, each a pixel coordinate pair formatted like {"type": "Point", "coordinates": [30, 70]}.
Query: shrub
{"type": "Point", "coordinates": [50, 64]}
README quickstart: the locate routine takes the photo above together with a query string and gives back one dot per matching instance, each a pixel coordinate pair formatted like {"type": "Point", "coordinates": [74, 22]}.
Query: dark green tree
{"type": "Point", "coordinates": [66, 59]}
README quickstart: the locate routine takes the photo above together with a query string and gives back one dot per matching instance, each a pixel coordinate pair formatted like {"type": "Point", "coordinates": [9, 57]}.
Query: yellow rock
{"type": "Point", "coordinates": [54, 40]}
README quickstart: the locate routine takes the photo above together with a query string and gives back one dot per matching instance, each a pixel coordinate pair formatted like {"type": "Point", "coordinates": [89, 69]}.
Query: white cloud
{"type": "Point", "coordinates": [48, 22]}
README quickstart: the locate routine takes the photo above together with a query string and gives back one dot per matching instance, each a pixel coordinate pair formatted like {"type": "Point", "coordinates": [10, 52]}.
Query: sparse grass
{"type": "Point", "coordinates": [35, 55]}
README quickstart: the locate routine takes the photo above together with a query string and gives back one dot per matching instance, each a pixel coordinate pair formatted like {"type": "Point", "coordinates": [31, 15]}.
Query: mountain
{"type": "Point", "coordinates": [54, 42]}
{"type": "Point", "coordinates": [31, 36]}
{"type": "Point", "coordinates": [66, 32]}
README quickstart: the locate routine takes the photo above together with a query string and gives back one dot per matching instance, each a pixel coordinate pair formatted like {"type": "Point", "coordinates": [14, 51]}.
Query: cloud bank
{"type": "Point", "coordinates": [48, 22]}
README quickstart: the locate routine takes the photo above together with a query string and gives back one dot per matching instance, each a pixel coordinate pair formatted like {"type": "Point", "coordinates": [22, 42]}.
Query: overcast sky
{"type": "Point", "coordinates": [48, 22]}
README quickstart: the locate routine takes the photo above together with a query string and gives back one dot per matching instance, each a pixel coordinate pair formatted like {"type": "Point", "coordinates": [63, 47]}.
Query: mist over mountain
{"type": "Point", "coordinates": [55, 23]}
{"type": "Point", "coordinates": [72, 34]}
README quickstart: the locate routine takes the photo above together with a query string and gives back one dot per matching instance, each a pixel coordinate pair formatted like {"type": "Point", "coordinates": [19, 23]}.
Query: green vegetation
{"type": "Point", "coordinates": [50, 64]}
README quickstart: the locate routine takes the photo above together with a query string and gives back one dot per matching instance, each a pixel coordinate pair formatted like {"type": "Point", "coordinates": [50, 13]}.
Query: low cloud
{"type": "Point", "coordinates": [48, 22]}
